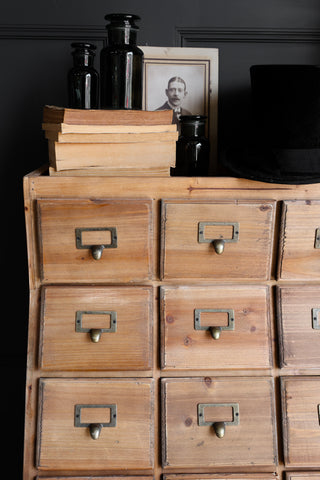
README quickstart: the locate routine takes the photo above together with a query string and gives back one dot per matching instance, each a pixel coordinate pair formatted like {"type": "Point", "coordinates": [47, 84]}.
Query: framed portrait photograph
{"type": "Point", "coordinates": [185, 80]}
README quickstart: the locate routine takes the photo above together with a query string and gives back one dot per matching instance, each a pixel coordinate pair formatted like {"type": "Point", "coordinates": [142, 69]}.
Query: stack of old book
{"type": "Point", "coordinates": [109, 142]}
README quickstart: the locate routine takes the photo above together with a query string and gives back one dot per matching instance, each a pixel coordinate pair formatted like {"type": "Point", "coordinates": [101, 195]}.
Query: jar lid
{"type": "Point", "coordinates": [84, 46]}
{"type": "Point", "coordinates": [122, 19]}
{"type": "Point", "coordinates": [193, 118]}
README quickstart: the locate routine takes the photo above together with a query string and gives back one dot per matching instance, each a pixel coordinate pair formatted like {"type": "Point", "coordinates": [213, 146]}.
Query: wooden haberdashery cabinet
{"type": "Point", "coordinates": [174, 329]}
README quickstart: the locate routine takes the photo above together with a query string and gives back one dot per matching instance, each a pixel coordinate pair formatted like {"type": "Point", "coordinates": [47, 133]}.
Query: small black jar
{"type": "Point", "coordinates": [83, 79]}
{"type": "Point", "coordinates": [193, 148]}
{"type": "Point", "coordinates": [121, 63]}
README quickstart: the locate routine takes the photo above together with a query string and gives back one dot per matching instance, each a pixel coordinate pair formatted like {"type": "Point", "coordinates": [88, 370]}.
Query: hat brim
{"type": "Point", "coordinates": [274, 165]}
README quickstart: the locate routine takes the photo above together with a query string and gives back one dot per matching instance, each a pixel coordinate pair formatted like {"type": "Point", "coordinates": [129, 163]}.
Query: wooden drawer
{"type": "Point", "coordinates": [200, 326]}
{"type": "Point", "coordinates": [73, 232]}
{"type": "Point", "coordinates": [299, 326]}
{"type": "Point", "coordinates": [195, 233]}
{"type": "Point", "coordinates": [300, 421]}
{"type": "Point", "coordinates": [194, 407]}
{"type": "Point", "coordinates": [71, 409]}
{"type": "Point", "coordinates": [96, 328]}
{"type": "Point", "coordinates": [105, 477]}
{"type": "Point", "coordinates": [219, 476]}
{"type": "Point", "coordinates": [299, 251]}
{"type": "Point", "coordinates": [302, 475]}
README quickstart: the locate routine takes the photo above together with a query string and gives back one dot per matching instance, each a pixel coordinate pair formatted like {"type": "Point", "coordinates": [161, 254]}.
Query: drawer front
{"type": "Point", "coordinates": [96, 328]}
{"type": "Point", "coordinates": [217, 239]}
{"type": "Point", "coordinates": [299, 326]}
{"type": "Point", "coordinates": [95, 240]}
{"type": "Point", "coordinates": [200, 326]}
{"type": "Point", "coordinates": [71, 412]}
{"type": "Point", "coordinates": [105, 477]}
{"type": "Point", "coordinates": [300, 398]}
{"type": "Point", "coordinates": [216, 422]}
{"type": "Point", "coordinates": [299, 251]}
{"type": "Point", "coordinates": [219, 476]}
{"type": "Point", "coordinates": [302, 475]}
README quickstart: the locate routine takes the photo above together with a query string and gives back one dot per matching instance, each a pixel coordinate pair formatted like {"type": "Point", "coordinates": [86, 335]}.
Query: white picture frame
{"type": "Point", "coordinates": [199, 68]}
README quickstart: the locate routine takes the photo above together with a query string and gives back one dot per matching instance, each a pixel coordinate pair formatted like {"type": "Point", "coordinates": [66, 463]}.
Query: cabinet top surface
{"type": "Point", "coordinates": [153, 187]}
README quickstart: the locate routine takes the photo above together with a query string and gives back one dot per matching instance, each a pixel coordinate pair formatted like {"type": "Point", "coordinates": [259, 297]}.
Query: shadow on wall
{"type": "Point", "coordinates": [38, 78]}
{"type": "Point", "coordinates": [235, 112]}
{"type": "Point", "coordinates": [23, 150]}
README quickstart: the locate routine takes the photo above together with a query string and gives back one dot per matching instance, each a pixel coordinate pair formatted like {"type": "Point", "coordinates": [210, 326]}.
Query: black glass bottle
{"type": "Point", "coordinates": [193, 148]}
{"type": "Point", "coordinates": [121, 63]}
{"type": "Point", "coordinates": [83, 79]}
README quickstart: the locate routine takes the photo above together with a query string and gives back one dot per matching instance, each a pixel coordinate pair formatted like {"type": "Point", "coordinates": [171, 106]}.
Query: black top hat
{"type": "Point", "coordinates": [286, 135]}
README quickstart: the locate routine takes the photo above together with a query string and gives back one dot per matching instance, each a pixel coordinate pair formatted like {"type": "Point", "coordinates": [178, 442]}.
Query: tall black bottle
{"type": "Point", "coordinates": [121, 64]}
{"type": "Point", "coordinates": [83, 79]}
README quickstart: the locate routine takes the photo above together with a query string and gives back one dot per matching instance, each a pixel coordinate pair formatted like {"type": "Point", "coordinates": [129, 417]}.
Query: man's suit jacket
{"type": "Point", "coordinates": [176, 115]}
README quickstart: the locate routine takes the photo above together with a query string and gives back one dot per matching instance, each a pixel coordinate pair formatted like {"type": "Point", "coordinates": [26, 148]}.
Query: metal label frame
{"type": "Point", "coordinates": [202, 225]}
{"type": "Point", "coordinates": [317, 239]}
{"type": "Point", "coordinates": [197, 318]}
{"type": "Point", "coordinates": [112, 230]}
{"type": "Point", "coordinates": [235, 414]}
{"type": "Point", "coordinates": [315, 318]}
{"type": "Point", "coordinates": [113, 415]}
{"type": "Point", "coordinates": [81, 329]}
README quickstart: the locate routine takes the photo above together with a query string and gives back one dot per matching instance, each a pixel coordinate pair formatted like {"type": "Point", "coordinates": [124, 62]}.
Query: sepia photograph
{"type": "Point", "coordinates": [186, 81]}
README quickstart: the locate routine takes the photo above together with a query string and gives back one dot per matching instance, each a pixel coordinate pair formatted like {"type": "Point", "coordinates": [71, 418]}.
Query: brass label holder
{"type": "Point", "coordinates": [315, 318]}
{"type": "Point", "coordinates": [96, 250]}
{"type": "Point", "coordinates": [218, 243]}
{"type": "Point", "coordinates": [215, 330]}
{"type": "Point", "coordinates": [317, 238]}
{"type": "Point", "coordinates": [220, 426]}
{"type": "Point", "coordinates": [95, 333]}
{"type": "Point", "coordinates": [113, 415]}
{"type": "Point", "coordinates": [113, 231]}
{"type": "Point", "coordinates": [203, 225]}
{"type": "Point", "coordinates": [95, 428]}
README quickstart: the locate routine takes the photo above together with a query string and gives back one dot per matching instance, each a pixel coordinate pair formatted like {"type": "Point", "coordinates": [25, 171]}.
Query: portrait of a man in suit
{"type": "Point", "coordinates": [185, 82]}
{"type": "Point", "coordinates": [176, 92]}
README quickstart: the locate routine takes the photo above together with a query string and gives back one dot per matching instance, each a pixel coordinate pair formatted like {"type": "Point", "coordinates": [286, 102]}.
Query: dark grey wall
{"type": "Point", "coordinates": [35, 39]}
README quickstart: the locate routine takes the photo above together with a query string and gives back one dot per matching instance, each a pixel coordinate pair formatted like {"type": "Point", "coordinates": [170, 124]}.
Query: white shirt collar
{"type": "Point", "coordinates": [176, 109]}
